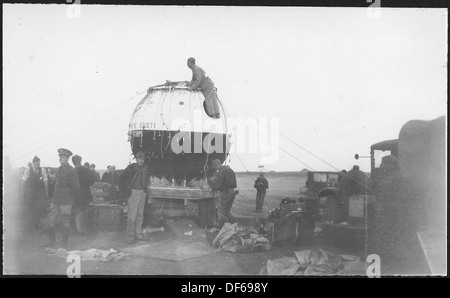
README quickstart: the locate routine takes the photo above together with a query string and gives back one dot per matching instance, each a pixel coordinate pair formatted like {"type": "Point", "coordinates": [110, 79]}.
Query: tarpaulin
{"type": "Point", "coordinates": [315, 262]}
{"type": "Point", "coordinates": [234, 238]}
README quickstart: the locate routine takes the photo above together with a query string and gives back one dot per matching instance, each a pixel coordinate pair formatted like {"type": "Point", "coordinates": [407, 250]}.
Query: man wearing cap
{"type": "Point", "coordinates": [95, 173]}
{"type": "Point", "coordinates": [225, 183]}
{"type": "Point", "coordinates": [354, 183]}
{"type": "Point", "coordinates": [35, 181]}
{"type": "Point", "coordinates": [133, 185]}
{"type": "Point", "coordinates": [67, 187]}
{"type": "Point", "coordinates": [201, 80]}
{"type": "Point", "coordinates": [111, 177]}
{"type": "Point", "coordinates": [84, 197]}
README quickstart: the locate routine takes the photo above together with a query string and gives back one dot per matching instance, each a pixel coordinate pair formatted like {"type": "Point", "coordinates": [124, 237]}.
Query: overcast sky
{"type": "Point", "coordinates": [336, 79]}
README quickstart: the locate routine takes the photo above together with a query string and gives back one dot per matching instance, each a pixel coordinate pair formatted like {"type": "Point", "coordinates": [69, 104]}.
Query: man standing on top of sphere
{"type": "Point", "coordinates": [201, 80]}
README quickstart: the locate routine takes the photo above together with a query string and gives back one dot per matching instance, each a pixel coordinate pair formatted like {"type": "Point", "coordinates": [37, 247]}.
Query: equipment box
{"type": "Point", "coordinates": [107, 217]}
{"type": "Point", "coordinates": [359, 206]}
{"type": "Point", "coordinates": [101, 192]}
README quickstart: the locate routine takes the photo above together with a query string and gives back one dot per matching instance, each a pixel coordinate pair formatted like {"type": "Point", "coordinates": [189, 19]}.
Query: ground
{"type": "Point", "coordinates": [28, 256]}
{"type": "Point", "coordinates": [24, 252]}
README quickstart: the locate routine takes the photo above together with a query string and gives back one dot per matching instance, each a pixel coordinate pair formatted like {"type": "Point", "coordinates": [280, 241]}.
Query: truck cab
{"type": "Point", "coordinates": [381, 154]}
{"type": "Point", "coordinates": [315, 182]}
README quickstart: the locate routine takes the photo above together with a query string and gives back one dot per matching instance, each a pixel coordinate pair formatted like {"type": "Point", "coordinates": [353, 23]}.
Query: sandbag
{"type": "Point", "coordinates": [157, 182]}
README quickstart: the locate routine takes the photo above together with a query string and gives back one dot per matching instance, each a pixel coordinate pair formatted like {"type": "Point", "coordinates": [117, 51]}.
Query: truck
{"type": "Point", "coordinates": [405, 201]}
{"type": "Point", "coordinates": [410, 226]}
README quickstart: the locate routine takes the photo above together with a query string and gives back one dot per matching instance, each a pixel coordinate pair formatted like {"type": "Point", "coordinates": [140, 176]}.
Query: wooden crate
{"type": "Point", "coordinates": [358, 206]}
{"type": "Point", "coordinates": [101, 191]}
{"type": "Point", "coordinates": [107, 217]}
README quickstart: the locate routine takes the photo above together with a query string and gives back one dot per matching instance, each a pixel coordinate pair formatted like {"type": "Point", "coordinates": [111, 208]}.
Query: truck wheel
{"type": "Point", "coordinates": [333, 210]}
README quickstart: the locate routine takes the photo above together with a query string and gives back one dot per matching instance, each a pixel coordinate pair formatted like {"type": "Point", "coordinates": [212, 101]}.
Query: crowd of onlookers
{"type": "Point", "coordinates": [33, 186]}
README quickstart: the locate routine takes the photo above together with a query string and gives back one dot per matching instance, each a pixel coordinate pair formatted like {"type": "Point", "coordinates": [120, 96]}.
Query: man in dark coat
{"type": "Point", "coordinates": [111, 176]}
{"type": "Point", "coordinates": [95, 173]}
{"type": "Point", "coordinates": [133, 185]}
{"type": "Point", "coordinates": [106, 176]}
{"type": "Point", "coordinates": [225, 182]}
{"type": "Point", "coordinates": [261, 185]}
{"type": "Point", "coordinates": [354, 183]}
{"type": "Point", "coordinates": [84, 197]}
{"type": "Point", "coordinates": [67, 188]}
{"type": "Point", "coordinates": [35, 180]}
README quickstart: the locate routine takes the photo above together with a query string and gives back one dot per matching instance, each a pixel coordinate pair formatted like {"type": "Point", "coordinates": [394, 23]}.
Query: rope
{"type": "Point", "coordinates": [96, 206]}
{"type": "Point", "coordinates": [281, 148]}
{"type": "Point", "coordinates": [251, 177]}
{"type": "Point", "coordinates": [162, 139]}
{"type": "Point", "coordinates": [205, 167]}
{"type": "Point", "coordinates": [168, 141]}
{"type": "Point", "coordinates": [292, 142]}
{"type": "Point", "coordinates": [301, 147]}
{"type": "Point", "coordinates": [70, 129]}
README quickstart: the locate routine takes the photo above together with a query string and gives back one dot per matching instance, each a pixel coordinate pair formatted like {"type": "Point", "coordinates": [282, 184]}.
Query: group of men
{"type": "Point", "coordinates": [133, 185]}
{"type": "Point", "coordinates": [36, 190]}
{"type": "Point", "coordinates": [200, 80]}
{"type": "Point", "coordinates": [71, 195]}
{"type": "Point", "coordinates": [61, 200]}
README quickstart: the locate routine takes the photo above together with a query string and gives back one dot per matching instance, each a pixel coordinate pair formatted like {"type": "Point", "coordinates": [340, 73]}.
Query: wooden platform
{"type": "Point", "coordinates": [181, 193]}
{"type": "Point", "coordinates": [204, 199]}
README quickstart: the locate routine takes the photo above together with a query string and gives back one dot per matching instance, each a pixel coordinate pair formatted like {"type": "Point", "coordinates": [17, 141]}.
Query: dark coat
{"type": "Point", "coordinates": [111, 178]}
{"type": "Point", "coordinates": [127, 177]}
{"type": "Point", "coordinates": [225, 179]}
{"type": "Point", "coordinates": [201, 80]}
{"type": "Point", "coordinates": [96, 176]}
{"type": "Point", "coordinates": [67, 185]}
{"type": "Point", "coordinates": [261, 183]}
{"type": "Point", "coordinates": [86, 180]}
{"type": "Point", "coordinates": [354, 183]}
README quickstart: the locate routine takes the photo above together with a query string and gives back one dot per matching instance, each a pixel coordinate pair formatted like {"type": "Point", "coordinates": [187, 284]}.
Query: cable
{"type": "Point", "coordinates": [251, 177]}
{"type": "Point", "coordinates": [205, 167]}
{"type": "Point", "coordinates": [364, 185]}
{"type": "Point", "coordinates": [285, 151]}
{"type": "Point", "coordinates": [70, 129]}
{"type": "Point", "coordinates": [292, 142]}
{"type": "Point", "coordinates": [96, 206]}
{"type": "Point", "coordinates": [282, 149]}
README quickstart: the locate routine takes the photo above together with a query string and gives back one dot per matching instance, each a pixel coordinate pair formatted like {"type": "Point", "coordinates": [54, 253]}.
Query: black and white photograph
{"type": "Point", "coordinates": [252, 141]}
